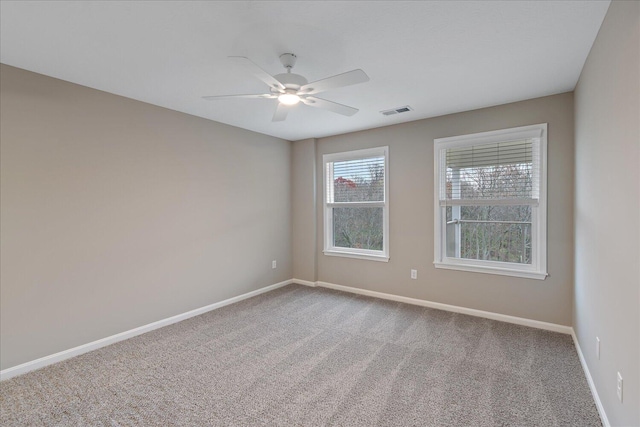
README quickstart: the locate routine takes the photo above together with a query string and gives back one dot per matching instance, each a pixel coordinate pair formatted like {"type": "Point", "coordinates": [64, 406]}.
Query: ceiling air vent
{"type": "Point", "coordinates": [398, 110]}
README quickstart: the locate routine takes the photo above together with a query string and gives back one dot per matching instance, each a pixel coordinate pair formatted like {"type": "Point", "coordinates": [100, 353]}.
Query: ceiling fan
{"type": "Point", "coordinates": [289, 88]}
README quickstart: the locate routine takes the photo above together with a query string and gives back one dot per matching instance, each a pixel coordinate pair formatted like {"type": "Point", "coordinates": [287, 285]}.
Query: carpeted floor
{"type": "Point", "coordinates": [313, 356]}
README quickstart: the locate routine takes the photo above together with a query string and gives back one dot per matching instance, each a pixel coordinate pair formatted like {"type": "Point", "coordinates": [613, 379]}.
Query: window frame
{"type": "Point", "coordinates": [366, 254]}
{"type": "Point", "coordinates": [538, 267]}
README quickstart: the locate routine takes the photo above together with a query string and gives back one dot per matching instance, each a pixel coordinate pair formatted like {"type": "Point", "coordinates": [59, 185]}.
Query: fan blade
{"type": "Point", "coordinates": [253, 68]}
{"type": "Point", "coordinates": [345, 79]}
{"type": "Point", "coordinates": [314, 101]}
{"type": "Point", "coordinates": [264, 95]}
{"type": "Point", "coordinates": [281, 113]}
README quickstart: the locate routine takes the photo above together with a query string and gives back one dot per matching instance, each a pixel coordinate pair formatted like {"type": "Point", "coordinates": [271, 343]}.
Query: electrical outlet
{"type": "Point", "coordinates": [414, 274]}
{"type": "Point", "coordinates": [273, 264]}
{"type": "Point", "coordinates": [598, 348]}
{"type": "Point", "coordinates": [619, 387]}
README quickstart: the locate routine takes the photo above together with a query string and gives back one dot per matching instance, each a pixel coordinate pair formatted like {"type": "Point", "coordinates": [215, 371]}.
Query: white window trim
{"type": "Point", "coordinates": [538, 267]}
{"type": "Point", "coordinates": [365, 254]}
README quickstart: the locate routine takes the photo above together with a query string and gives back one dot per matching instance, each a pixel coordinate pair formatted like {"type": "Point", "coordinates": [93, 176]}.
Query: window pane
{"type": "Point", "coordinates": [492, 233]}
{"type": "Point", "coordinates": [359, 228]}
{"type": "Point", "coordinates": [490, 182]}
{"type": "Point", "coordinates": [360, 180]}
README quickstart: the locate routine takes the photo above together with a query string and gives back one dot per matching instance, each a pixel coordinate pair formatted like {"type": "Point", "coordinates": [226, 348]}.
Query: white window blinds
{"type": "Point", "coordinates": [356, 181]}
{"type": "Point", "coordinates": [486, 172]}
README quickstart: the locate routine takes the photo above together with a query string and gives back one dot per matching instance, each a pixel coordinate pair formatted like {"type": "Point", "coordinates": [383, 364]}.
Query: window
{"type": "Point", "coordinates": [356, 207]}
{"type": "Point", "coordinates": [490, 202]}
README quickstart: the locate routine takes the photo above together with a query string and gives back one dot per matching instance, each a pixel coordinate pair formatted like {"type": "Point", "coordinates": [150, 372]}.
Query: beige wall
{"type": "Point", "coordinates": [411, 215]}
{"type": "Point", "coordinates": [303, 205]}
{"type": "Point", "coordinates": [607, 211]}
{"type": "Point", "coordinates": [115, 214]}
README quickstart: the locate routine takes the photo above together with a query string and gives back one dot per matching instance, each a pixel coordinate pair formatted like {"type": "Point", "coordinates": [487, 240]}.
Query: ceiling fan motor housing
{"type": "Point", "coordinates": [291, 80]}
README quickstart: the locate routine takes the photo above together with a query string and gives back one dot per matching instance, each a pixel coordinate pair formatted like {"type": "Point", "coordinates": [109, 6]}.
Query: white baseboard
{"type": "Point", "coordinates": [453, 308]}
{"type": "Point", "coordinates": [592, 385]}
{"type": "Point", "coordinates": [76, 351]}
{"type": "Point", "coordinates": [304, 282]}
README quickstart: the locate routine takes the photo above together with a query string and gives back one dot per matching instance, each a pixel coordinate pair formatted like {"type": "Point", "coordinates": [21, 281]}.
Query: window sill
{"type": "Point", "coordinates": [492, 270]}
{"type": "Point", "coordinates": [345, 254]}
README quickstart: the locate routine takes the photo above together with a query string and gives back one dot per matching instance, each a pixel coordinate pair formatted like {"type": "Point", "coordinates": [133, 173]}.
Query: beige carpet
{"type": "Point", "coordinates": [312, 356]}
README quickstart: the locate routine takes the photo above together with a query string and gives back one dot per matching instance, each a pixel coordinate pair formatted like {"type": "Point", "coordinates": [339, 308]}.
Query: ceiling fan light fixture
{"type": "Point", "coordinates": [289, 99]}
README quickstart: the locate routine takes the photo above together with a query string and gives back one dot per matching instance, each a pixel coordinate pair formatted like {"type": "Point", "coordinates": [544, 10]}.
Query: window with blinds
{"type": "Point", "coordinates": [491, 202]}
{"type": "Point", "coordinates": [355, 204]}
{"type": "Point", "coordinates": [494, 171]}
{"type": "Point", "coordinates": [358, 180]}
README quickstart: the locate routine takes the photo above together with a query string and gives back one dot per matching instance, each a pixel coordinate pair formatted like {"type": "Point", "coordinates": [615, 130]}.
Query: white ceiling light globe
{"type": "Point", "coordinates": [288, 99]}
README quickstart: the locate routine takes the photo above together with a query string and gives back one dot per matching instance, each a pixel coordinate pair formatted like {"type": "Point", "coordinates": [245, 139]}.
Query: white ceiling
{"type": "Point", "coordinates": [439, 57]}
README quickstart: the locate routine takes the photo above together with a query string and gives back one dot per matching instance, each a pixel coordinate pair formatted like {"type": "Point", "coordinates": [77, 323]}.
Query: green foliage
{"type": "Point", "coordinates": [359, 227]}
{"type": "Point", "coordinates": [495, 232]}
